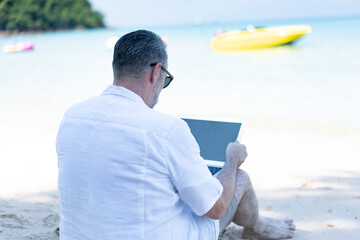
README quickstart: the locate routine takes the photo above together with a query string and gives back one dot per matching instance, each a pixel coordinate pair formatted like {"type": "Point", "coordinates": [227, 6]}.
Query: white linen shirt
{"type": "Point", "coordinates": [129, 172]}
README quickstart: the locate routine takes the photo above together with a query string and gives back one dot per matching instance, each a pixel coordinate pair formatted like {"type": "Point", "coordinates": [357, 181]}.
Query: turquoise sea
{"type": "Point", "coordinates": [312, 85]}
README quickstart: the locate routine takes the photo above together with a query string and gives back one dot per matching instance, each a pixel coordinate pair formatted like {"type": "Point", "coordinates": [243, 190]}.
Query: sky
{"type": "Point", "coordinates": [131, 13]}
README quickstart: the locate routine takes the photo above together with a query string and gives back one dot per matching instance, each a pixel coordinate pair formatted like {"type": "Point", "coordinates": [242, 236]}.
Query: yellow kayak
{"type": "Point", "coordinates": [253, 38]}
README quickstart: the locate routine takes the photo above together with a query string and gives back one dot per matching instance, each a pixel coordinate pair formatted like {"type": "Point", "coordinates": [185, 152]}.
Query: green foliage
{"type": "Point", "coordinates": [41, 15]}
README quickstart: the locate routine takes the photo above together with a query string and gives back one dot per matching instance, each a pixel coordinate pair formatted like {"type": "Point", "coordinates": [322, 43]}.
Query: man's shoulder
{"type": "Point", "coordinates": [163, 123]}
{"type": "Point", "coordinates": [80, 106]}
{"type": "Point", "coordinates": [127, 113]}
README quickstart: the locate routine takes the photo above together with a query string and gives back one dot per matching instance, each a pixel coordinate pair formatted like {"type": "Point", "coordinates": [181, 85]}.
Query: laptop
{"type": "Point", "coordinates": [213, 136]}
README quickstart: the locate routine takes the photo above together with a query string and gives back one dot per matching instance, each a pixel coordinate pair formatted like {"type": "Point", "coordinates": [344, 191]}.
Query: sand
{"type": "Point", "coordinates": [313, 178]}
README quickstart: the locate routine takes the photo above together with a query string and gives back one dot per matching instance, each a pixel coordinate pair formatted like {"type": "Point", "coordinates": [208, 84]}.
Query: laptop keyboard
{"type": "Point", "coordinates": [213, 170]}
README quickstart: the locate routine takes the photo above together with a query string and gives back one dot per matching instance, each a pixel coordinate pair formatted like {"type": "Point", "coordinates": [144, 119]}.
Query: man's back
{"type": "Point", "coordinates": [115, 180]}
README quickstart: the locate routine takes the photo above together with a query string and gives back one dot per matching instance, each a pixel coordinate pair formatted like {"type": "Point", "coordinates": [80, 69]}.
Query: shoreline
{"type": "Point", "coordinates": [7, 33]}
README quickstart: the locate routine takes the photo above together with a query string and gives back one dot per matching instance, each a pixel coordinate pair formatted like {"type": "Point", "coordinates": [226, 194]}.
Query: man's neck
{"type": "Point", "coordinates": [137, 88]}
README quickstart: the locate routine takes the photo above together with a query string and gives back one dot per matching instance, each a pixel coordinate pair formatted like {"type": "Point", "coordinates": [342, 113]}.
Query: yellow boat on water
{"type": "Point", "coordinates": [253, 38]}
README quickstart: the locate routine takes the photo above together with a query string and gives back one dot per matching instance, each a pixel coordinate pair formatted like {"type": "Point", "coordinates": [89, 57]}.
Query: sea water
{"type": "Point", "coordinates": [312, 85]}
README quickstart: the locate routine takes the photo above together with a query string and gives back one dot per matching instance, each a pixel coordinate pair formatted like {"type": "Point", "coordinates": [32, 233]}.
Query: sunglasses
{"type": "Point", "coordinates": [168, 78]}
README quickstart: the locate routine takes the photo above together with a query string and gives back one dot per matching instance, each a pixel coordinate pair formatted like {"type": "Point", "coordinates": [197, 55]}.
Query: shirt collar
{"type": "Point", "coordinates": [122, 91]}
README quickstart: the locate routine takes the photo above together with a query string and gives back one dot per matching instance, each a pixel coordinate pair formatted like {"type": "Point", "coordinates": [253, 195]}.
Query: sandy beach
{"type": "Point", "coordinates": [313, 178]}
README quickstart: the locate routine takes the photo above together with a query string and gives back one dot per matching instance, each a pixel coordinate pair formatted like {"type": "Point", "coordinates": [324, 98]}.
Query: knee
{"type": "Point", "coordinates": [242, 181]}
{"type": "Point", "coordinates": [242, 184]}
{"type": "Point", "coordinates": [242, 176]}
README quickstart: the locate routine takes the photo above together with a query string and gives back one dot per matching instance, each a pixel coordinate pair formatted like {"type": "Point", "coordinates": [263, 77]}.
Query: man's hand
{"type": "Point", "coordinates": [236, 152]}
{"type": "Point", "coordinates": [235, 156]}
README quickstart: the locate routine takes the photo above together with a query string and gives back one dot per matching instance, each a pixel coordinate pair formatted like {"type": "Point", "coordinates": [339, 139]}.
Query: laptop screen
{"type": "Point", "coordinates": [213, 137]}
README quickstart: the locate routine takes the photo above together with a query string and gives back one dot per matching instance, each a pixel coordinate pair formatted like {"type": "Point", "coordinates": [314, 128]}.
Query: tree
{"type": "Point", "coordinates": [42, 15]}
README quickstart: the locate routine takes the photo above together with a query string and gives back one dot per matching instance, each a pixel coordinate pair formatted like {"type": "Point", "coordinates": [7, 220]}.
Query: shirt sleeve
{"type": "Point", "coordinates": [189, 173]}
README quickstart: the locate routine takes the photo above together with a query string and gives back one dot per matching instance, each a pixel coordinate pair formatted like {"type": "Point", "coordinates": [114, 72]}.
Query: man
{"type": "Point", "coordinates": [129, 172]}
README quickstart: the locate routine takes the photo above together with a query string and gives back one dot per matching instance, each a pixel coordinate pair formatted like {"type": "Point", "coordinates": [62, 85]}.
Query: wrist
{"type": "Point", "coordinates": [231, 164]}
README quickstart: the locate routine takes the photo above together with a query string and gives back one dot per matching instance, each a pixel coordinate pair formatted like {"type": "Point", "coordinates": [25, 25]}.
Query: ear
{"type": "Point", "coordinates": [155, 73]}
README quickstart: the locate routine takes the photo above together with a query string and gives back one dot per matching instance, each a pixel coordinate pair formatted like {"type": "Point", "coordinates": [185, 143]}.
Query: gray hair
{"type": "Point", "coordinates": [135, 51]}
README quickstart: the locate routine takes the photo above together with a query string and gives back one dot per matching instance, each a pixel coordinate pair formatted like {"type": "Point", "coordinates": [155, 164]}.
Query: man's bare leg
{"type": "Point", "coordinates": [247, 214]}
